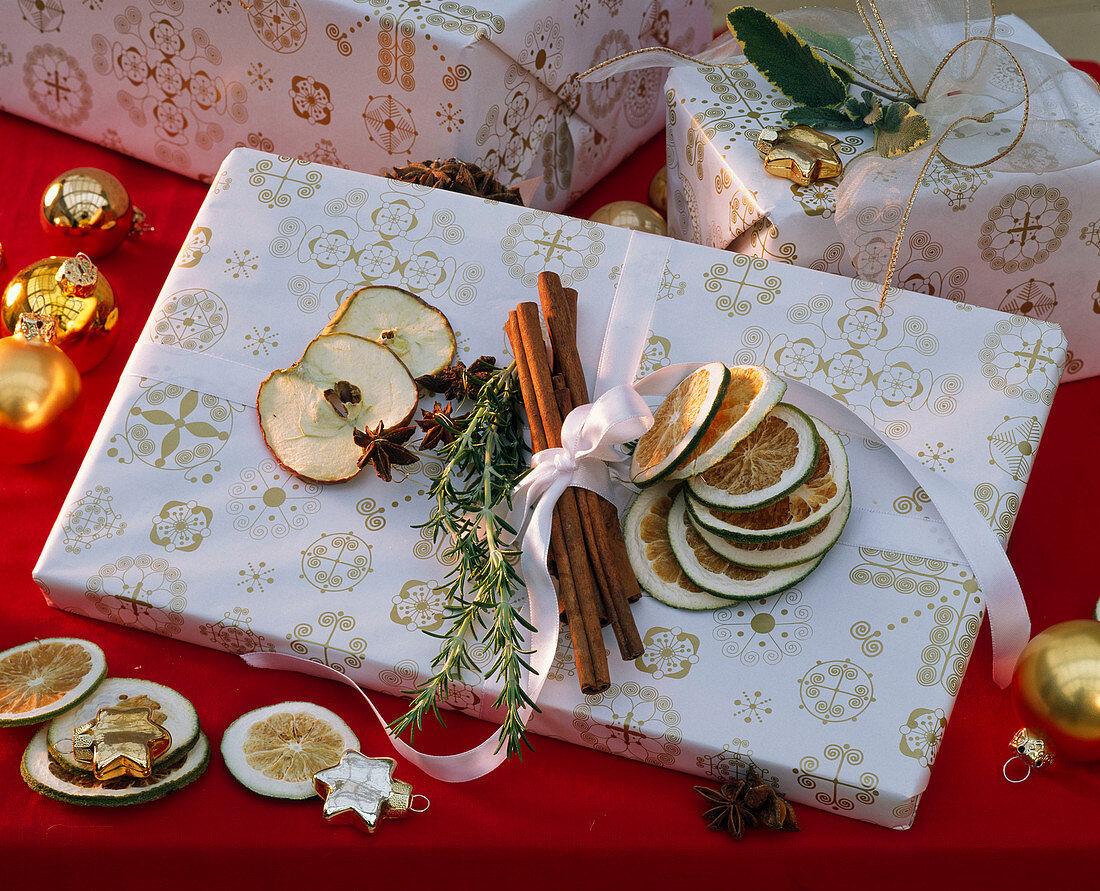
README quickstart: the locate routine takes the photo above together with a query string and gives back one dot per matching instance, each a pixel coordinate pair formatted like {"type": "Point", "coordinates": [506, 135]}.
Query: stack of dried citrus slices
{"type": "Point", "coordinates": [743, 495]}
{"type": "Point", "coordinates": [61, 680]}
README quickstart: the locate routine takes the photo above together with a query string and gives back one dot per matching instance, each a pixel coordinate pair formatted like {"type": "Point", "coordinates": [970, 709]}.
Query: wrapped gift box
{"type": "Point", "coordinates": [720, 195]}
{"type": "Point", "coordinates": [181, 523]}
{"type": "Point", "coordinates": [365, 84]}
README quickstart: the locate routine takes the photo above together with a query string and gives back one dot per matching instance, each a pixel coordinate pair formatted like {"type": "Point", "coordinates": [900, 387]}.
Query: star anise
{"type": "Point", "coordinates": [383, 448]}
{"type": "Point", "coordinates": [744, 803]}
{"type": "Point", "coordinates": [459, 382]}
{"type": "Point", "coordinates": [438, 426]}
{"type": "Point", "coordinates": [454, 175]}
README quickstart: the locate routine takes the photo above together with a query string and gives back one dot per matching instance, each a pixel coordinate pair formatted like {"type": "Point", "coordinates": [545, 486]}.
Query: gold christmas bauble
{"type": "Point", "coordinates": [658, 191]}
{"type": "Point", "coordinates": [40, 397]}
{"type": "Point", "coordinates": [1056, 689]}
{"type": "Point", "coordinates": [86, 313]}
{"type": "Point", "coordinates": [631, 215]}
{"type": "Point", "coordinates": [88, 210]}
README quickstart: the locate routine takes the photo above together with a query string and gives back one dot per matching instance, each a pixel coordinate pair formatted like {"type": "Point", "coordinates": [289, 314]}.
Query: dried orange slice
{"type": "Point", "coordinates": [772, 461]}
{"type": "Point", "coordinates": [43, 678]}
{"type": "Point", "coordinates": [645, 529]}
{"type": "Point", "coordinates": [814, 542]}
{"type": "Point", "coordinates": [276, 750]}
{"type": "Point", "coordinates": [717, 575]}
{"type": "Point", "coordinates": [804, 508]}
{"type": "Point", "coordinates": [679, 423]}
{"type": "Point", "coordinates": [417, 333]}
{"type": "Point", "coordinates": [752, 392]}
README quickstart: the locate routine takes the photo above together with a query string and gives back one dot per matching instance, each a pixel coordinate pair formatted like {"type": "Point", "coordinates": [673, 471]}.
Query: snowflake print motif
{"type": "Point", "coordinates": [1012, 446]}
{"type": "Point", "coordinates": [764, 630]}
{"type": "Point", "coordinates": [324, 152]}
{"type": "Point", "coordinates": [390, 124]}
{"type": "Point", "coordinates": [754, 707]}
{"type": "Point", "coordinates": [268, 501]}
{"type": "Point", "coordinates": [233, 633]}
{"type": "Point", "coordinates": [605, 96]}
{"type": "Point", "coordinates": [6, 57]}
{"type": "Point", "coordinates": [221, 7]}
{"type": "Point", "coordinates": [955, 183]}
{"type": "Point", "coordinates": [181, 526]}
{"type": "Point", "coordinates": [419, 605]}
{"type": "Point", "coordinates": [259, 75]}
{"type": "Point", "coordinates": [936, 456]}
{"type": "Point", "coordinates": [837, 691]}
{"type": "Point", "coordinates": [45, 16]}
{"type": "Point", "coordinates": [259, 340]}
{"type": "Point", "coordinates": [669, 653]}
{"type": "Point", "coordinates": [195, 248]}
{"type": "Point", "coordinates": [194, 319]}
{"type": "Point", "coordinates": [1032, 298]}
{"type": "Point", "coordinates": [311, 100]}
{"type": "Point", "coordinates": [1090, 234]}
{"type": "Point", "coordinates": [279, 24]}
{"type": "Point", "coordinates": [1023, 358]}
{"type": "Point", "coordinates": [140, 592]}
{"type": "Point", "coordinates": [542, 51]}
{"type": "Point", "coordinates": [91, 518]}
{"type": "Point", "coordinates": [1025, 228]}
{"type": "Point", "coordinates": [732, 763]}
{"type": "Point", "coordinates": [655, 355]}
{"type": "Point", "coordinates": [170, 82]}
{"type": "Point", "coordinates": [450, 118]}
{"type": "Point", "coordinates": [630, 720]}
{"type": "Point", "coordinates": [538, 241]}
{"type": "Point", "coordinates": [57, 85]}
{"type": "Point", "coordinates": [241, 265]}
{"type": "Point", "coordinates": [817, 199]}
{"type": "Point", "coordinates": [335, 562]}
{"type": "Point", "coordinates": [582, 11]}
{"type": "Point", "coordinates": [921, 735]}
{"type": "Point", "coordinates": [255, 577]}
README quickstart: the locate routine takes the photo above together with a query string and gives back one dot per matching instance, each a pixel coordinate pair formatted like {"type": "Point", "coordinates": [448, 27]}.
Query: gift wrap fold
{"type": "Point", "coordinates": [1021, 234]}
{"type": "Point", "coordinates": [838, 690]}
{"type": "Point", "coordinates": [365, 84]}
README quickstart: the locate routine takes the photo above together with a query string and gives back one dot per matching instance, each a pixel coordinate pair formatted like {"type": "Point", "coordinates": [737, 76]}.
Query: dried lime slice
{"type": "Point", "coordinates": [418, 333]}
{"type": "Point", "coordinates": [714, 573]}
{"type": "Point", "coordinates": [309, 411]}
{"type": "Point", "coordinates": [43, 678]}
{"type": "Point", "coordinates": [46, 777]}
{"type": "Point", "coordinates": [276, 750]}
{"type": "Point", "coordinates": [752, 392]}
{"type": "Point", "coordinates": [804, 508]}
{"type": "Point", "coordinates": [173, 712]}
{"type": "Point", "coordinates": [645, 529]}
{"type": "Point", "coordinates": [679, 423]}
{"type": "Point", "coordinates": [814, 542]}
{"type": "Point", "coordinates": [771, 462]}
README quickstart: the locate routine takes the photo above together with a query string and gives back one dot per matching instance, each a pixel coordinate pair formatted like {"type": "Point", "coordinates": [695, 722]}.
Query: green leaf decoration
{"type": "Point", "coordinates": [837, 44]}
{"type": "Point", "coordinates": [901, 129]}
{"type": "Point", "coordinates": [787, 62]}
{"type": "Point", "coordinates": [867, 110]}
{"type": "Point", "coordinates": [822, 118]}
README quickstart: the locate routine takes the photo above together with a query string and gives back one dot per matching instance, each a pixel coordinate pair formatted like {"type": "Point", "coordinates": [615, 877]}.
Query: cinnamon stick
{"type": "Point", "coordinates": [604, 528]}
{"type": "Point", "coordinates": [575, 584]}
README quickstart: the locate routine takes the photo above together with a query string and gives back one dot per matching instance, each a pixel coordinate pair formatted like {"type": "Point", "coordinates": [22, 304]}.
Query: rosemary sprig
{"type": "Point", "coordinates": [481, 467]}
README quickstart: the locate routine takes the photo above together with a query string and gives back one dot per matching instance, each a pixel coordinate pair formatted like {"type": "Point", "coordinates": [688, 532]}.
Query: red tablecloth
{"type": "Point", "coordinates": [565, 815]}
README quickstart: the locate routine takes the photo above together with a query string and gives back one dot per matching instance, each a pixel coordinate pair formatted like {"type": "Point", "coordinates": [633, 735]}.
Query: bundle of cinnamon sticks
{"type": "Point", "coordinates": [595, 582]}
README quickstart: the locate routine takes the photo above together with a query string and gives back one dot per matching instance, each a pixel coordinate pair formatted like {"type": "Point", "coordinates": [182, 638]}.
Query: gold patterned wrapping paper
{"type": "Point", "coordinates": [364, 84]}
{"type": "Point", "coordinates": [1025, 240]}
{"type": "Point", "coordinates": [180, 522]}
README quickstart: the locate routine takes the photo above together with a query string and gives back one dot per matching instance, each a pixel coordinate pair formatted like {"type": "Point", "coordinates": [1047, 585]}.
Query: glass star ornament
{"type": "Point", "coordinates": [362, 791]}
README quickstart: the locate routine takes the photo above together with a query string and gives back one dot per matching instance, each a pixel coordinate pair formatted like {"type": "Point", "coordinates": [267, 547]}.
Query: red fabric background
{"type": "Point", "coordinates": [565, 815]}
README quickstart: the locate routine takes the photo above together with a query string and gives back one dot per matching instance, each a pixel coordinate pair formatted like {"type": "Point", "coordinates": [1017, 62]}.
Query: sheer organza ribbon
{"type": "Point", "coordinates": [590, 457]}
{"type": "Point", "coordinates": [990, 103]}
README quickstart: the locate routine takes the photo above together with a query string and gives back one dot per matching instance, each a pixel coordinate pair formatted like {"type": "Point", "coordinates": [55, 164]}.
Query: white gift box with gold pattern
{"type": "Point", "coordinates": [365, 84]}
{"type": "Point", "coordinates": [1023, 241]}
{"type": "Point", "coordinates": [180, 522]}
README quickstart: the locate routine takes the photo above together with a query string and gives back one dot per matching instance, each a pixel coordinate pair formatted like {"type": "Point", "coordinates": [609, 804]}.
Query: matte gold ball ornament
{"type": "Point", "coordinates": [631, 215]}
{"type": "Point", "coordinates": [658, 191]}
{"type": "Point", "coordinates": [87, 209]}
{"type": "Point", "coordinates": [1056, 693]}
{"type": "Point", "coordinates": [72, 291]}
{"type": "Point", "coordinates": [41, 397]}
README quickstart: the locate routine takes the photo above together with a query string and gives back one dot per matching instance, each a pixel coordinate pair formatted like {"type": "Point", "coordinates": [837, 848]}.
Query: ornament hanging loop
{"type": "Point", "coordinates": [1022, 760]}
{"type": "Point", "coordinates": [413, 805]}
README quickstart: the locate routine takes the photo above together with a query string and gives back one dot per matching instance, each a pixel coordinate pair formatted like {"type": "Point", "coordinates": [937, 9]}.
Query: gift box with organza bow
{"type": "Point", "coordinates": [1020, 233]}
{"type": "Point", "coordinates": [838, 690]}
{"type": "Point", "coordinates": [365, 84]}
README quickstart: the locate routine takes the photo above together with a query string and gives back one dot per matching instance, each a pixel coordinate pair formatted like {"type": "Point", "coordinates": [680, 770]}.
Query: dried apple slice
{"type": "Point", "coordinates": [308, 412]}
{"type": "Point", "coordinates": [417, 332]}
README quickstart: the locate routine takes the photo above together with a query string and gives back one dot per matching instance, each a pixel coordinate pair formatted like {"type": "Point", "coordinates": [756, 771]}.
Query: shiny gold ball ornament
{"type": "Point", "coordinates": [72, 291]}
{"type": "Point", "coordinates": [631, 215]}
{"type": "Point", "coordinates": [1056, 689]}
{"type": "Point", "coordinates": [89, 210]}
{"type": "Point", "coordinates": [40, 393]}
{"type": "Point", "coordinates": [658, 191]}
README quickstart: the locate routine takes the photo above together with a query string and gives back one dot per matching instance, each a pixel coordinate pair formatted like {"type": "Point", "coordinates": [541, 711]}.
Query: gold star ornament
{"type": "Point", "coordinates": [121, 741]}
{"type": "Point", "coordinates": [801, 154]}
{"type": "Point", "coordinates": [362, 791]}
